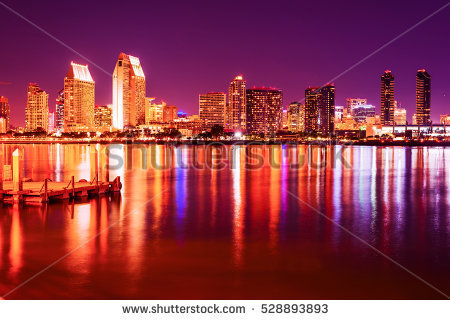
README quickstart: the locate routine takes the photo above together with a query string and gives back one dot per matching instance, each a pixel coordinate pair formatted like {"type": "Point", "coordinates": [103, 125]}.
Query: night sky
{"type": "Point", "coordinates": [192, 47]}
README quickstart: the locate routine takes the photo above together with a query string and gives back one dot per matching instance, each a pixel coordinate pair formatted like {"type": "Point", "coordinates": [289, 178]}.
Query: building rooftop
{"type": "Point", "coordinates": [79, 72]}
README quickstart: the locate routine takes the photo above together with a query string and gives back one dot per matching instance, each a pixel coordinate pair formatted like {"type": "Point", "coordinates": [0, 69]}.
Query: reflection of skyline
{"type": "Point", "coordinates": [395, 198]}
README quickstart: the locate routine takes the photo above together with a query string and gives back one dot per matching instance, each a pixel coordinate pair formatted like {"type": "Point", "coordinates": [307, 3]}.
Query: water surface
{"type": "Point", "coordinates": [183, 227]}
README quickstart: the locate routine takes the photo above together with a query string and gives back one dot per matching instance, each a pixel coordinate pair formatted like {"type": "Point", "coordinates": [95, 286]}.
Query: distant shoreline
{"type": "Point", "coordinates": [239, 142]}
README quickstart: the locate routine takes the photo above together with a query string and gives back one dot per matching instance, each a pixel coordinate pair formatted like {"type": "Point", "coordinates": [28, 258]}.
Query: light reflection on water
{"type": "Point", "coordinates": [182, 232]}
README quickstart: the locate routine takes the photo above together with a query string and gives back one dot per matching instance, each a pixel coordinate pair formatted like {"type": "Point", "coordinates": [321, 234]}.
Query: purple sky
{"type": "Point", "coordinates": [192, 47]}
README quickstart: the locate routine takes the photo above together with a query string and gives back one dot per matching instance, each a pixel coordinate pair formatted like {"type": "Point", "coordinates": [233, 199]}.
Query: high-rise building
{"type": "Point", "coordinates": [128, 92]}
{"type": "Point", "coordinates": [170, 113]}
{"type": "Point", "coordinates": [236, 111]}
{"type": "Point", "coordinates": [284, 119]}
{"type": "Point", "coordinates": [212, 108]}
{"type": "Point", "coordinates": [362, 112]}
{"type": "Point", "coordinates": [387, 98]}
{"type": "Point", "coordinates": [103, 117]}
{"type": "Point", "coordinates": [312, 97]}
{"type": "Point", "coordinates": [51, 122]}
{"type": "Point", "coordinates": [79, 99]}
{"type": "Point", "coordinates": [319, 109]}
{"type": "Point", "coordinates": [4, 114]}
{"type": "Point", "coordinates": [59, 111]}
{"type": "Point", "coordinates": [264, 108]}
{"type": "Point", "coordinates": [296, 117]}
{"type": "Point", "coordinates": [353, 102]}
{"type": "Point", "coordinates": [423, 97]}
{"type": "Point", "coordinates": [36, 111]}
{"type": "Point", "coordinates": [414, 119]}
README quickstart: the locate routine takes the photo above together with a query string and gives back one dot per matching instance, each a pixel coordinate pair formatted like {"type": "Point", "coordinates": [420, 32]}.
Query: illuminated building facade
{"type": "Point", "coordinates": [236, 111]}
{"type": "Point", "coordinates": [319, 109]}
{"type": "Point", "coordinates": [189, 126]}
{"type": "Point", "coordinates": [103, 117]}
{"type": "Point", "coordinates": [423, 97]}
{"type": "Point", "coordinates": [347, 123]}
{"type": "Point", "coordinates": [170, 113]}
{"type": "Point", "coordinates": [296, 117]}
{"type": "Point", "coordinates": [284, 119]}
{"type": "Point", "coordinates": [51, 122]}
{"type": "Point", "coordinates": [400, 116]}
{"type": "Point", "coordinates": [79, 99]}
{"type": "Point", "coordinates": [59, 111]}
{"type": "Point", "coordinates": [4, 114]}
{"type": "Point", "coordinates": [264, 109]}
{"type": "Point", "coordinates": [387, 98]}
{"type": "Point", "coordinates": [338, 113]}
{"type": "Point", "coordinates": [362, 112]}
{"type": "Point", "coordinates": [128, 92]}
{"type": "Point", "coordinates": [373, 120]}
{"type": "Point", "coordinates": [354, 102]}
{"type": "Point", "coordinates": [212, 108]}
{"type": "Point", "coordinates": [444, 119]}
{"type": "Point", "coordinates": [36, 111]}
{"type": "Point", "coordinates": [153, 111]}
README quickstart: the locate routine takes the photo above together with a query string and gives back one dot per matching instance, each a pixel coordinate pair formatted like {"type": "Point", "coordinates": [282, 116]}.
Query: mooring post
{"type": "Point", "coordinates": [94, 162]}
{"type": "Point", "coordinates": [107, 164]}
{"type": "Point", "coordinates": [73, 186]}
{"type": "Point", "coordinates": [46, 190]}
{"type": "Point", "coordinates": [1, 185]}
{"type": "Point", "coordinates": [17, 172]}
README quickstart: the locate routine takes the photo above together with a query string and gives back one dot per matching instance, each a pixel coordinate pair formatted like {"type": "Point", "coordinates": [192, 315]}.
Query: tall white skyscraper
{"type": "Point", "coordinates": [128, 92]}
{"type": "Point", "coordinates": [79, 99]}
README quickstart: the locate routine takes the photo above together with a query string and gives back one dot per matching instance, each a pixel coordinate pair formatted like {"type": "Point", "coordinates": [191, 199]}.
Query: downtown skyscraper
{"type": "Point", "coordinates": [4, 114]}
{"type": "Point", "coordinates": [212, 108]}
{"type": "Point", "coordinates": [59, 111]}
{"type": "Point", "coordinates": [79, 99]}
{"type": "Point", "coordinates": [36, 111]}
{"type": "Point", "coordinates": [423, 98]}
{"type": "Point", "coordinates": [387, 99]}
{"type": "Point", "coordinates": [264, 109]}
{"type": "Point", "coordinates": [296, 117]}
{"type": "Point", "coordinates": [236, 112]}
{"type": "Point", "coordinates": [319, 109]}
{"type": "Point", "coordinates": [128, 92]}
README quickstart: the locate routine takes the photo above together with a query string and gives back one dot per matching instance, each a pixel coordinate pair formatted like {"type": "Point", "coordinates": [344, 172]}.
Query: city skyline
{"type": "Point", "coordinates": [132, 91]}
{"type": "Point", "coordinates": [179, 78]}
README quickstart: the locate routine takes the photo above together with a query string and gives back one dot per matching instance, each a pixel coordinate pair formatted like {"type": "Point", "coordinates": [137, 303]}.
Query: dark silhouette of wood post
{"type": "Point", "coordinates": [46, 190]}
{"type": "Point", "coordinates": [107, 164]}
{"type": "Point", "coordinates": [73, 186]}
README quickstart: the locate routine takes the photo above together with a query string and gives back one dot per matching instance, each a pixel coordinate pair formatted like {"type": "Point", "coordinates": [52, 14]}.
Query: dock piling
{"type": "Point", "coordinates": [72, 180]}
{"type": "Point", "coordinates": [17, 172]}
{"type": "Point", "coordinates": [46, 190]}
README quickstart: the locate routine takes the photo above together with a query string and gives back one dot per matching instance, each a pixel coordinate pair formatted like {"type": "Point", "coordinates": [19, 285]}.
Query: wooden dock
{"type": "Point", "coordinates": [21, 190]}
{"type": "Point", "coordinates": [42, 192]}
